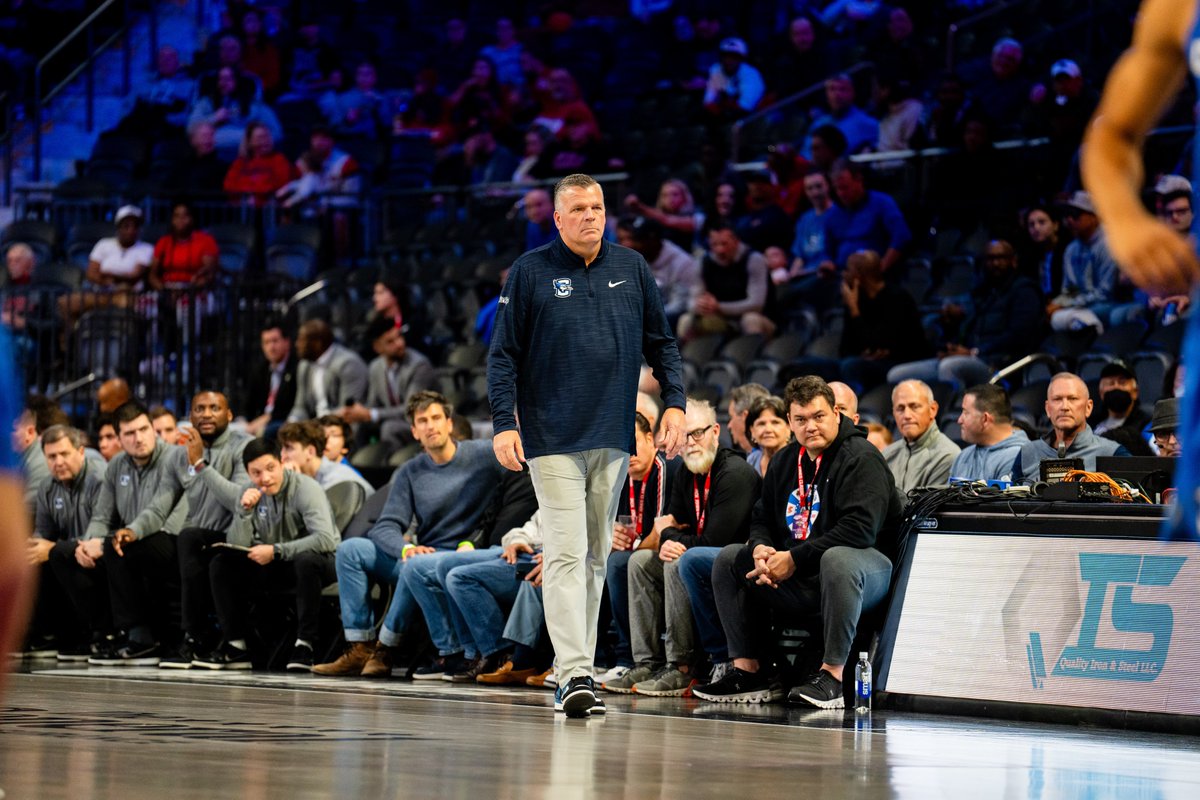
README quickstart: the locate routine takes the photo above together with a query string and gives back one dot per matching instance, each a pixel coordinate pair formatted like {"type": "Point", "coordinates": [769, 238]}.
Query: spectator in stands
{"type": "Point", "coordinates": [539, 218]}
{"type": "Point", "coordinates": [764, 224]}
{"type": "Point", "coordinates": [879, 435]}
{"type": "Point", "coordinates": [767, 429]}
{"type": "Point", "coordinates": [845, 401]}
{"type": "Point", "coordinates": [302, 448]}
{"type": "Point", "coordinates": [112, 394]}
{"type": "Point", "coordinates": [361, 110]}
{"type": "Point", "coordinates": [643, 500]}
{"type": "Point", "coordinates": [107, 441]}
{"type": "Point", "coordinates": [822, 547]}
{"type": "Point", "coordinates": [64, 508]}
{"type": "Point", "coordinates": [533, 163]}
{"type": "Point", "coordinates": [727, 203]}
{"type": "Point", "coordinates": [710, 508]}
{"type": "Point", "coordinates": [826, 146]}
{"type": "Point", "coordinates": [675, 211]}
{"type": "Point", "coordinates": [312, 62]}
{"type": "Point", "coordinates": [229, 105]}
{"type": "Point", "coordinates": [214, 477]}
{"type": "Point", "coordinates": [563, 111]}
{"type": "Point", "coordinates": [260, 56]}
{"type": "Point", "coordinates": [902, 113]}
{"type": "Point", "coordinates": [1121, 417]}
{"type": "Point", "coordinates": [166, 427]}
{"type": "Point", "coordinates": [1004, 322]}
{"type": "Point", "coordinates": [330, 375]}
{"type": "Point", "coordinates": [203, 172]}
{"type": "Point", "coordinates": [184, 257]}
{"type": "Point", "coordinates": [287, 526]}
{"type": "Point", "coordinates": [733, 290]}
{"type": "Point", "coordinates": [120, 261]}
{"type": "Point", "coordinates": [39, 414]}
{"type": "Point", "coordinates": [1087, 297]}
{"type": "Point", "coordinates": [389, 301]}
{"type": "Point", "coordinates": [479, 101]}
{"type": "Point", "coordinates": [943, 125]}
{"type": "Point", "coordinates": [229, 54]}
{"type": "Point", "coordinates": [271, 392]}
{"type": "Point", "coordinates": [1061, 111]}
{"type": "Point", "coordinates": [1175, 208]}
{"type": "Point", "coordinates": [526, 620]}
{"type": "Point", "coordinates": [860, 128]}
{"type": "Point", "coordinates": [135, 521]}
{"type": "Point", "coordinates": [735, 88]}
{"type": "Point", "coordinates": [1068, 405]}
{"type": "Point", "coordinates": [957, 178]}
{"type": "Point", "coordinates": [901, 52]}
{"type": "Point", "coordinates": [20, 261]}
{"type": "Point", "coordinates": [674, 269]}
{"type": "Point", "coordinates": [1164, 426]}
{"type": "Point", "coordinates": [454, 57]}
{"type": "Point", "coordinates": [485, 160]}
{"type": "Point", "coordinates": [924, 454]}
{"type": "Point", "coordinates": [992, 442]}
{"type": "Point", "coordinates": [324, 169]}
{"type": "Point", "coordinates": [801, 61]}
{"type": "Point", "coordinates": [505, 54]}
{"type": "Point", "coordinates": [1004, 91]}
{"type": "Point", "coordinates": [882, 325]}
{"type": "Point", "coordinates": [808, 240]}
{"type": "Point", "coordinates": [741, 398]}
{"type": "Point", "coordinates": [446, 490]}
{"type": "Point", "coordinates": [259, 171]}
{"type": "Point", "coordinates": [394, 376]}
{"type": "Point", "coordinates": [338, 437]}
{"type": "Point", "coordinates": [786, 171]}
{"type": "Point", "coordinates": [159, 108]}
{"type": "Point", "coordinates": [1045, 247]}
{"type": "Point", "coordinates": [863, 219]}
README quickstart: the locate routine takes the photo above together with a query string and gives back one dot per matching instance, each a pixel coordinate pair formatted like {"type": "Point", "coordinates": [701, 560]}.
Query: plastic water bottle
{"type": "Point", "coordinates": [862, 685]}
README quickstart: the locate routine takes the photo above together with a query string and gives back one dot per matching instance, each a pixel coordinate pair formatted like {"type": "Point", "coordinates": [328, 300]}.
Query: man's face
{"type": "Point", "coordinates": [365, 78]}
{"type": "Point", "coordinates": [307, 346]}
{"type": "Point", "coordinates": [538, 207]}
{"type": "Point", "coordinates": [1041, 226]}
{"type": "Point", "coordinates": [64, 459]}
{"type": "Point", "coordinates": [815, 424]}
{"type": "Point", "coordinates": [24, 432]}
{"type": "Point", "coordinates": [725, 199]}
{"type": "Point", "coordinates": [210, 414]}
{"type": "Point", "coordinates": [390, 345]}
{"type": "Point", "coordinates": [723, 245]}
{"type": "Point", "coordinates": [839, 94]}
{"type": "Point", "coordinates": [850, 188]}
{"type": "Point", "coordinates": [107, 442]}
{"type": "Point", "coordinates": [737, 426]}
{"type": "Point", "coordinates": [769, 431]}
{"type": "Point", "coordinates": [999, 260]}
{"type": "Point", "coordinates": [1006, 60]}
{"type": "Point", "coordinates": [204, 139]}
{"type": "Point", "coordinates": [321, 144]}
{"type": "Point", "coordinates": [302, 457]}
{"type": "Point", "coordinates": [641, 461]}
{"type": "Point", "coordinates": [266, 473]}
{"type": "Point", "coordinates": [138, 438]}
{"type": "Point", "coordinates": [432, 427]}
{"type": "Point", "coordinates": [816, 189]}
{"type": "Point", "coordinates": [1068, 405]}
{"type": "Point", "coordinates": [1178, 214]}
{"type": "Point", "coordinates": [972, 421]}
{"type": "Point", "coordinates": [845, 401]}
{"type": "Point", "coordinates": [1119, 383]}
{"type": "Point", "coordinates": [335, 443]}
{"type": "Point", "coordinates": [700, 446]}
{"type": "Point", "coordinates": [166, 428]}
{"type": "Point", "coordinates": [128, 230]}
{"type": "Point", "coordinates": [1167, 443]}
{"type": "Point", "coordinates": [913, 412]}
{"type": "Point", "coordinates": [730, 63]}
{"type": "Point", "coordinates": [579, 217]}
{"type": "Point", "coordinates": [229, 51]}
{"type": "Point", "coordinates": [275, 345]}
{"type": "Point", "coordinates": [19, 262]}
{"type": "Point", "coordinates": [802, 35]}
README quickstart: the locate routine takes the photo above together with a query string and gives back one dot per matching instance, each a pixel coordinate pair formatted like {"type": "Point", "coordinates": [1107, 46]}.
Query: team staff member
{"type": "Point", "coordinates": [575, 318]}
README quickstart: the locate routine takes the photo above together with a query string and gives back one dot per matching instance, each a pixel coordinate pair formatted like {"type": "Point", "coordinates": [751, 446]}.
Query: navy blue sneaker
{"type": "Point", "coordinates": [576, 698]}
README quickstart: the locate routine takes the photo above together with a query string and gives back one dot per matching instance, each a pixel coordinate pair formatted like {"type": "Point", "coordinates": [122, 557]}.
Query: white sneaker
{"type": "Point", "coordinates": [610, 675]}
{"type": "Point", "coordinates": [550, 679]}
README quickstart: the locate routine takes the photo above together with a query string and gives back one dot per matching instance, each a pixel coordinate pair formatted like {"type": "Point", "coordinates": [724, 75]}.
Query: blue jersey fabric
{"type": "Point", "coordinates": [567, 349]}
{"type": "Point", "coordinates": [12, 402]}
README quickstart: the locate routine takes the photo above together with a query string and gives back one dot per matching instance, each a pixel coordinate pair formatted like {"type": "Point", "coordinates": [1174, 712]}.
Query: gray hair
{"type": "Point", "coordinates": [704, 407]}
{"type": "Point", "coordinates": [744, 396]}
{"type": "Point", "coordinates": [1069, 376]}
{"type": "Point", "coordinates": [56, 433]}
{"type": "Point", "coordinates": [920, 386]}
{"type": "Point", "coordinates": [575, 181]}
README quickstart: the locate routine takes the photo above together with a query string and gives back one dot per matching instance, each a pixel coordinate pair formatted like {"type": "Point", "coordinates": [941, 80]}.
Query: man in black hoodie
{"type": "Point", "coordinates": [821, 540]}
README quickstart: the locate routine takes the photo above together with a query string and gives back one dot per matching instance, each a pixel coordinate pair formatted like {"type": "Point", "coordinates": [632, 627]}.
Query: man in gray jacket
{"type": "Point", "coordinates": [138, 513]}
{"type": "Point", "coordinates": [330, 375]}
{"type": "Point", "coordinates": [986, 423]}
{"type": "Point", "coordinates": [394, 375]}
{"type": "Point", "coordinates": [1068, 405]}
{"type": "Point", "coordinates": [284, 537]}
{"type": "Point", "coordinates": [923, 456]}
{"type": "Point", "coordinates": [209, 465]}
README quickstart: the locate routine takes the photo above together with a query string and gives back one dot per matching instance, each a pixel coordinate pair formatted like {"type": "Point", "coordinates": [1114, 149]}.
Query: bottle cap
{"type": "Point", "coordinates": [862, 655]}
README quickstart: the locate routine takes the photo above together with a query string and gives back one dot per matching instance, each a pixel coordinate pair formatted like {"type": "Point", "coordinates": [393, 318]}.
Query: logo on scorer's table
{"type": "Point", "coordinates": [562, 287]}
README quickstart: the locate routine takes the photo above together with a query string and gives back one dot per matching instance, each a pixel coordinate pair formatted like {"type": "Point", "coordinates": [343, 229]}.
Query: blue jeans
{"type": "Point", "coordinates": [524, 624]}
{"type": "Point", "coordinates": [618, 599]}
{"type": "Point", "coordinates": [359, 560]}
{"type": "Point", "coordinates": [425, 577]}
{"type": "Point", "coordinates": [480, 592]}
{"type": "Point", "coordinates": [695, 570]}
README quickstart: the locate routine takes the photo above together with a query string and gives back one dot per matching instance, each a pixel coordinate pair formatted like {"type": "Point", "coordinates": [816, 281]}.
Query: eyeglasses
{"type": "Point", "coordinates": [698, 434]}
{"type": "Point", "coordinates": [1163, 437]}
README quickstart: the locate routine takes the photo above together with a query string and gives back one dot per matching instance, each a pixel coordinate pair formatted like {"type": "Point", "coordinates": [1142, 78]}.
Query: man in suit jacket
{"type": "Point", "coordinates": [330, 375]}
{"type": "Point", "coordinates": [271, 389]}
{"type": "Point", "coordinates": [395, 375]}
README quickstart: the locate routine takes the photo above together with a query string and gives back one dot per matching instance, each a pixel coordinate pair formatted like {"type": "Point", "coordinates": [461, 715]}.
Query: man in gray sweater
{"type": "Point", "coordinates": [1068, 405]}
{"type": "Point", "coordinates": [283, 538]}
{"type": "Point", "coordinates": [923, 456]}
{"type": "Point", "coordinates": [138, 513]}
{"type": "Point", "coordinates": [986, 423]}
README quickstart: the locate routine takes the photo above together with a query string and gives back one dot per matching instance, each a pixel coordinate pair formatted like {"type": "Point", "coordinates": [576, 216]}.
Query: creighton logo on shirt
{"type": "Point", "coordinates": [125, 479]}
{"type": "Point", "coordinates": [562, 287]}
{"type": "Point", "coordinates": [58, 504]}
{"type": "Point", "coordinates": [262, 510]}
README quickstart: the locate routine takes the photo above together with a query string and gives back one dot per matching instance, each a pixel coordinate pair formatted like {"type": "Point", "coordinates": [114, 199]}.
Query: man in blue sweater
{"type": "Point", "coordinates": [574, 322]}
{"type": "Point", "coordinates": [442, 493]}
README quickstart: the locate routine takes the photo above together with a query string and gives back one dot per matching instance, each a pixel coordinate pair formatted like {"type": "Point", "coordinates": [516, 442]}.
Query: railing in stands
{"type": "Point", "coordinates": [735, 133]}
{"type": "Point", "coordinates": [87, 29]}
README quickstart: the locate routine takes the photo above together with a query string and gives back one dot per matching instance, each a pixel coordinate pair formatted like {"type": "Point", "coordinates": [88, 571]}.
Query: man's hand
{"type": "Point", "coordinates": [122, 538]}
{"type": "Point", "coordinates": [418, 550]}
{"type": "Point", "coordinates": [513, 550]}
{"type": "Point", "coordinates": [508, 450]}
{"type": "Point", "coordinates": [781, 566]}
{"type": "Point", "coordinates": [850, 295]}
{"type": "Point", "coordinates": [262, 554]}
{"type": "Point", "coordinates": [762, 553]}
{"type": "Point", "coordinates": [671, 435]}
{"type": "Point", "coordinates": [190, 438]}
{"type": "Point", "coordinates": [39, 551]}
{"type": "Point", "coordinates": [707, 304]}
{"type": "Point", "coordinates": [88, 552]}
{"type": "Point", "coordinates": [622, 539]}
{"type": "Point", "coordinates": [355, 413]}
{"type": "Point", "coordinates": [250, 498]}
{"type": "Point", "coordinates": [535, 574]}
{"type": "Point", "coordinates": [256, 426]}
{"type": "Point", "coordinates": [671, 551]}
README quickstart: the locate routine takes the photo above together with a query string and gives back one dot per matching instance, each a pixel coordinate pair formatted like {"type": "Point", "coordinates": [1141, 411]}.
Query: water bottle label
{"type": "Point", "coordinates": [864, 688]}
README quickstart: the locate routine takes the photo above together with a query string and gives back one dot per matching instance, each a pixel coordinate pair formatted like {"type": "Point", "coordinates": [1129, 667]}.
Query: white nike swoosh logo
{"type": "Point", "coordinates": [612, 285]}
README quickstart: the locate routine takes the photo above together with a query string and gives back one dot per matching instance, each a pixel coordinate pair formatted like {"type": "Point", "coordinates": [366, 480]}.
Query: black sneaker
{"type": "Point", "coordinates": [301, 659]}
{"type": "Point", "coordinates": [598, 707]}
{"type": "Point", "coordinates": [105, 650]}
{"type": "Point", "coordinates": [821, 690]}
{"type": "Point", "coordinates": [480, 666]}
{"type": "Point", "coordinates": [739, 686]}
{"type": "Point", "coordinates": [41, 647]}
{"type": "Point", "coordinates": [76, 653]}
{"type": "Point", "coordinates": [576, 698]}
{"type": "Point", "coordinates": [183, 656]}
{"type": "Point", "coordinates": [441, 668]}
{"type": "Point", "coordinates": [226, 656]}
{"type": "Point", "coordinates": [129, 654]}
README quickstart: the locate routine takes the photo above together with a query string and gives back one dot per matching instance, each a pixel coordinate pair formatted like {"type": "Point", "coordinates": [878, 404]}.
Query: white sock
{"type": "Point", "coordinates": [303, 643]}
{"type": "Point", "coordinates": [238, 644]}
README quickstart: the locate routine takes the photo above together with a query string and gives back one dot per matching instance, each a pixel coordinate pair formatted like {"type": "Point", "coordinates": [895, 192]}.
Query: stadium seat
{"type": "Point", "coordinates": [236, 243]}
{"type": "Point", "coordinates": [1151, 369]}
{"type": "Point", "coordinates": [83, 238]}
{"type": "Point", "coordinates": [345, 500]}
{"type": "Point", "coordinates": [292, 251]}
{"type": "Point", "coordinates": [58, 273]}
{"type": "Point", "coordinates": [1121, 339]}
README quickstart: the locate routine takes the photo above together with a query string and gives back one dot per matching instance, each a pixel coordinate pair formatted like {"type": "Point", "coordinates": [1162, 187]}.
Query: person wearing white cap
{"type": "Point", "coordinates": [1061, 111]}
{"type": "Point", "coordinates": [116, 264]}
{"type": "Point", "coordinates": [734, 87]}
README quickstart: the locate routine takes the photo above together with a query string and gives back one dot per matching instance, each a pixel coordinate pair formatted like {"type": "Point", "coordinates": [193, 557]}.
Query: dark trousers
{"type": "Point", "coordinates": [85, 589]}
{"type": "Point", "coordinates": [233, 576]}
{"type": "Point", "coordinates": [143, 584]}
{"type": "Point", "coordinates": [851, 580]}
{"type": "Point", "coordinates": [195, 555]}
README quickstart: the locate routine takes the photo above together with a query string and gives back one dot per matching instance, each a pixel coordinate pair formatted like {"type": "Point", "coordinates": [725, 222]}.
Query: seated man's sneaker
{"type": "Point", "coordinates": [821, 690]}
{"type": "Point", "coordinates": [575, 698]}
{"type": "Point", "coordinates": [625, 683]}
{"type": "Point", "coordinates": [544, 680]}
{"type": "Point", "coordinates": [349, 664]}
{"type": "Point", "coordinates": [130, 654]}
{"type": "Point", "coordinates": [381, 663]}
{"type": "Point", "coordinates": [76, 652]}
{"type": "Point", "coordinates": [739, 686]}
{"type": "Point", "coordinates": [506, 675]}
{"type": "Point", "coordinates": [187, 652]}
{"type": "Point", "coordinates": [480, 666]}
{"type": "Point", "coordinates": [301, 659]}
{"type": "Point", "coordinates": [719, 670]}
{"type": "Point", "coordinates": [40, 647]}
{"type": "Point", "coordinates": [611, 674]}
{"type": "Point", "coordinates": [441, 666]}
{"type": "Point", "coordinates": [225, 656]}
{"type": "Point", "coordinates": [667, 682]}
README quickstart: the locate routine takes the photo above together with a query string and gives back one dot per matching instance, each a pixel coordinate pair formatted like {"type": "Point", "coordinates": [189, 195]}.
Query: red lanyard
{"type": "Point", "coordinates": [638, 514]}
{"type": "Point", "coordinates": [804, 493]}
{"type": "Point", "coordinates": [701, 511]}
